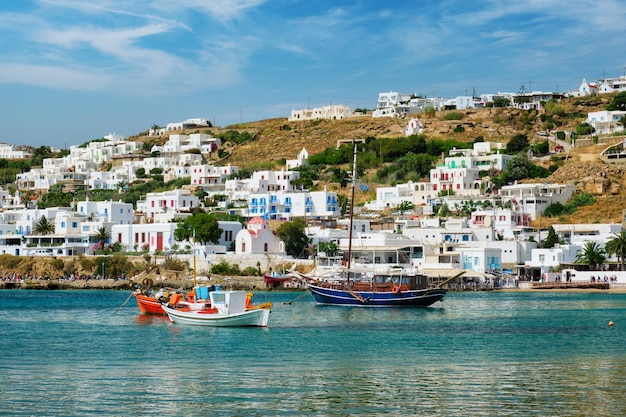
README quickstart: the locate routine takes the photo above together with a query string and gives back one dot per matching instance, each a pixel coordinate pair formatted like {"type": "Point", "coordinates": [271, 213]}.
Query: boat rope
{"type": "Point", "coordinates": [357, 296]}
{"type": "Point", "coordinates": [295, 299]}
{"type": "Point", "coordinates": [124, 303]}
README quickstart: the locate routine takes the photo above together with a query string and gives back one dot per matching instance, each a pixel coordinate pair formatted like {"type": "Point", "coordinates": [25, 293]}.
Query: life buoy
{"type": "Point", "coordinates": [396, 289]}
{"type": "Point", "coordinates": [148, 282]}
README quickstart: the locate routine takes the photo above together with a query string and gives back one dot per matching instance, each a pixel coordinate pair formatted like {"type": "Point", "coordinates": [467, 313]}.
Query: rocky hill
{"type": "Point", "coordinates": [278, 139]}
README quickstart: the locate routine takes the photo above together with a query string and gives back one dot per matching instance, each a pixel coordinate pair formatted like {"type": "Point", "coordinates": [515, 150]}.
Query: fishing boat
{"type": "Point", "coordinates": [396, 287]}
{"type": "Point", "coordinates": [227, 309]}
{"type": "Point", "coordinates": [148, 304]}
{"type": "Point", "coordinates": [274, 280]}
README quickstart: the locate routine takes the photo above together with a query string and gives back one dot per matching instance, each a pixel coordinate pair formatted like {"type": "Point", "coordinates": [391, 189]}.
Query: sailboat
{"type": "Point", "coordinates": [396, 287]}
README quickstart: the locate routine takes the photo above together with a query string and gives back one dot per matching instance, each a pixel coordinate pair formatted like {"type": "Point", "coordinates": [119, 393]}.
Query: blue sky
{"type": "Point", "coordinates": [76, 70]}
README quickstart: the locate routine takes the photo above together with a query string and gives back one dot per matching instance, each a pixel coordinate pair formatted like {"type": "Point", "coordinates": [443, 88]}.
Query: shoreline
{"type": "Point", "coordinates": [246, 283]}
{"type": "Point", "coordinates": [229, 283]}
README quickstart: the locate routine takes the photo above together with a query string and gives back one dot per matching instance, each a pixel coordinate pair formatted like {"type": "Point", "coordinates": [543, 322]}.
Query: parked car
{"type": "Point", "coordinates": [559, 148]}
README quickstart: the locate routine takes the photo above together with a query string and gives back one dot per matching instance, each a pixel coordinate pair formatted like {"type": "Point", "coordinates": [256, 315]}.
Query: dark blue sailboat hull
{"type": "Point", "coordinates": [409, 298]}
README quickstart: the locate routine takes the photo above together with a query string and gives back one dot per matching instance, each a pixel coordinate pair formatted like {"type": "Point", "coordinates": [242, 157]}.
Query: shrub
{"type": "Point", "coordinates": [224, 268]}
{"type": "Point", "coordinates": [453, 115]}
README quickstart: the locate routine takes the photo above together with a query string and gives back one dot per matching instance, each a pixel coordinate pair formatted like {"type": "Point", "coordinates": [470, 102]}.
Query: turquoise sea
{"type": "Point", "coordinates": [78, 353]}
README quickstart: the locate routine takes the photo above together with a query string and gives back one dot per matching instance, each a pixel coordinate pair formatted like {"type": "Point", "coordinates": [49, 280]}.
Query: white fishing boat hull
{"type": "Point", "coordinates": [258, 318]}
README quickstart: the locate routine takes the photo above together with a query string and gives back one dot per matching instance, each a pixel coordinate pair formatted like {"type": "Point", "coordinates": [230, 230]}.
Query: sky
{"type": "Point", "coordinates": [76, 70]}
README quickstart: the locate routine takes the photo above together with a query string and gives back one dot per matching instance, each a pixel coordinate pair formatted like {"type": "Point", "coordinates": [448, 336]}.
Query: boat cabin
{"type": "Point", "coordinates": [228, 302]}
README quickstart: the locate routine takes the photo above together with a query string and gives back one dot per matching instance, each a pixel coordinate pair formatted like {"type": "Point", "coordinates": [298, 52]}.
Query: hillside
{"type": "Point", "coordinates": [278, 139]}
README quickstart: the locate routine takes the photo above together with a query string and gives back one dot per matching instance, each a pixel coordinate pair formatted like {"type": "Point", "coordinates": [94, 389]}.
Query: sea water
{"type": "Point", "coordinates": [73, 353]}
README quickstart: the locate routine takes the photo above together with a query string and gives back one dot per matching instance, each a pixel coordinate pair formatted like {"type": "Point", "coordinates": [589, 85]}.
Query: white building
{"type": "Point", "coordinates": [210, 175]}
{"type": "Point", "coordinates": [167, 202]}
{"type": "Point", "coordinates": [413, 127]}
{"type": "Point", "coordinates": [482, 260]}
{"type": "Point", "coordinates": [611, 85]}
{"type": "Point", "coordinates": [8, 151]}
{"type": "Point", "coordinates": [257, 238]}
{"type": "Point", "coordinates": [462, 180]}
{"type": "Point", "coordinates": [115, 212]}
{"type": "Point", "coordinates": [579, 234]}
{"type": "Point", "coordinates": [299, 161]}
{"type": "Point", "coordinates": [586, 88]}
{"type": "Point", "coordinates": [393, 104]}
{"type": "Point", "coordinates": [181, 143]}
{"type": "Point", "coordinates": [331, 112]}
{"type": "Point", "coordinates": [160, 236]}
{"type": "Point", "coordinates": [535, 198]}
{"type": "Point", "coordinates": [288, 205]}
{"type": "Point", "coordinates": [176, 126]}
{"type": "Point", "coordinates": [606, 122]}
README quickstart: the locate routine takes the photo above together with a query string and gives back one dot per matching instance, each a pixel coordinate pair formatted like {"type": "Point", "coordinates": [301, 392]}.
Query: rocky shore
{"type": "Point", "coordinates": [246, 283]}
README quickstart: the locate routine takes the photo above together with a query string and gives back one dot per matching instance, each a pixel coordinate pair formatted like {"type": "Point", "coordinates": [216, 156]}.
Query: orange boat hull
{"type": "Point", "coordinates": [148, 305]}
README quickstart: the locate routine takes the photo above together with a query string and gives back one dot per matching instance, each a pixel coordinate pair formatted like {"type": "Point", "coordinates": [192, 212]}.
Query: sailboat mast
{"type": "Point", "coordinates": [353, 184]}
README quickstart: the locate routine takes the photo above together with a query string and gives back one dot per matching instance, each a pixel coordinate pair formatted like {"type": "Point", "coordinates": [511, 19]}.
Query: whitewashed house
{"type": "Point", "coordinates": [115, 212]}
{"type": "Point", "coordinates": [288, 205]}
{"type": "Point", "coordinates": [482, 260]}
{"type": "Point", "coordinates": [586, 88]}
{"type": "Point", "coordinates": [331, 112]}
{"type": "Point", "coordinates": [611, 85]}
{"type": "Point", "coordinates": [258, 238]}
{"type": "Point", "coordinates": [393, 104]}
{"type": "Point", "coordinates": [299, 161]}
{"type": "Point", "coordinates": [167, 202]}
{"type": "Point", "coordinates": [461, 180]}
{"type": "Point", "coordinates": [210, 175]}
{"type": "Point", "coordinates": [606, 122]}
{"type": "Point", "coordinates": [413, 127]}
{"type": "Point", "coordinates": [8, 151]}
{"type": "Point", "coordinates": [535, 198]}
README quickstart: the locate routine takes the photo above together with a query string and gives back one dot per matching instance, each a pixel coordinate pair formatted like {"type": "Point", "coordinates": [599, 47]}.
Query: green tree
{"type": "Point", "coordinates": [584, 129]}
{"type": "Point", "coordinates": [202, 226]}
{"type": "Point", "coordinates": [618, 103]}
{"type": "Point", "coordinates": [518, 168]}
{"type": "Point", "coordinates": [518, 143]}
{"type": "Point", "coordinates": [329, 248]}
{"type": "Point", "coordinates": [617, 246]}
{"type": "Point", "coordinates": [552, 239]}
{"type": "Point", "coordinates": [501, 102]}
{"type": "Point", "coordinates": [43, 226]}
{"type": "Point", "coordinates": [296, 241]}
{"type": "Point", "coordinates": [592, 255]}
{"type": "Point", "coordinates": [405, 206]}
{"type": "Point", "coordinates": [39, 154]}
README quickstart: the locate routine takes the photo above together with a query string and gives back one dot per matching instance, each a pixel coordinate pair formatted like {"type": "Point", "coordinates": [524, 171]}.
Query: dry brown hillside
{"type": "Point", "coordinates": [278, 139]}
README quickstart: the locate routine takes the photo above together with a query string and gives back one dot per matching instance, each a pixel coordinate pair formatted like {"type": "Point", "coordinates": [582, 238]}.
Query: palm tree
{"type": "Point", "coordinates": [102, 234]}
{"type": "Point", "coordinates": [617, 246]}
{"type": "Point", "coordinates": [122, 185]}
{"type": "Point", "coordinates": [43, 226]}
{"type": "Point", "coordinates": [592, 255]}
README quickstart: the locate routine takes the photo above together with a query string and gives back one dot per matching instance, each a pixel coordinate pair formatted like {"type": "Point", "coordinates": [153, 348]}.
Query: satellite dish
{"type": "Point", "coordinates": [488, 221]}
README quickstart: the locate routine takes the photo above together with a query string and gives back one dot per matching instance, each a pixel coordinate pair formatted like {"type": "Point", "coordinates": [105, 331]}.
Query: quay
{"type": "Point", "coordinates": [571, 285]}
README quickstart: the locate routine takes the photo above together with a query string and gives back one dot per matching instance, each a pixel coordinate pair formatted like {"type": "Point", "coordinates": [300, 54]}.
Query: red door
{"type": "Point", "coordinates": [159, 245]}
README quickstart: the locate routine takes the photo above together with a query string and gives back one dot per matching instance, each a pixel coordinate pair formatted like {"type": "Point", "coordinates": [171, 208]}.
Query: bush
{"type": "Point", "coordinates": [224, 268]}
{"type": "Point", "coordinates": [453, 115]}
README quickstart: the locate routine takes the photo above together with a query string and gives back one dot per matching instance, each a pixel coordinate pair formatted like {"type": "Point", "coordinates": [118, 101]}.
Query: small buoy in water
{"type": "Point", "coordinates": [611, 324]}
